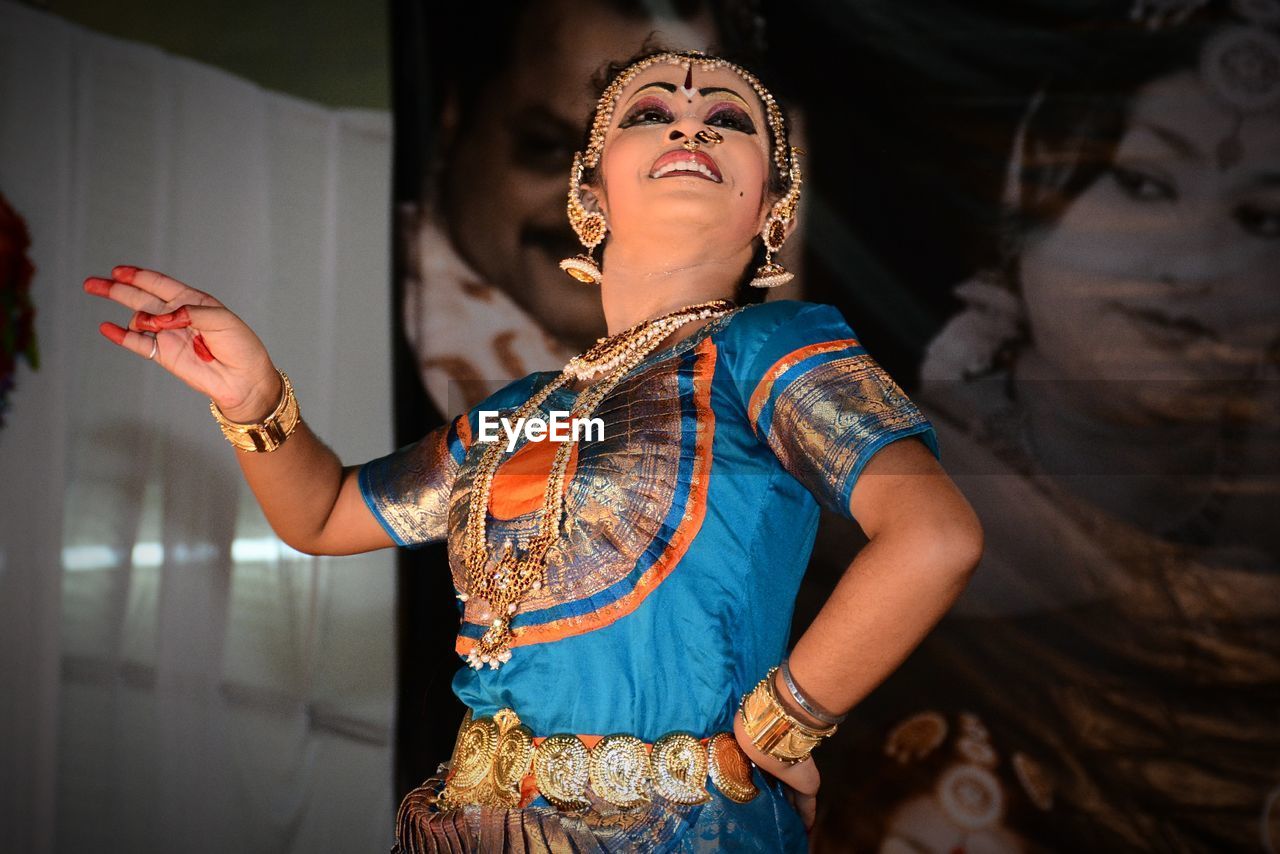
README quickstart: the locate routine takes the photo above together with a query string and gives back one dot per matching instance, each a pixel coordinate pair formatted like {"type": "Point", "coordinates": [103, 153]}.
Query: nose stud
{"type": "Point", "coordinates": [706, 136]}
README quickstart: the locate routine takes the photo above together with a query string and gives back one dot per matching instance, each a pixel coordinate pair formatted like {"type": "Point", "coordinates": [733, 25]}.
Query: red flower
{"type": "Point", "coordinates": [17, 312]}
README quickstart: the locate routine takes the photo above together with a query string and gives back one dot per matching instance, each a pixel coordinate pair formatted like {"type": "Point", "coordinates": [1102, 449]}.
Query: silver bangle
{"type": "Point", "coordinates": [822, 715]}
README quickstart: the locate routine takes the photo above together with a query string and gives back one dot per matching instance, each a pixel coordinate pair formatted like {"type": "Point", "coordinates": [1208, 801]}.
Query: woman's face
{"type": "Point", "coordinates": [652, 188]}
{"type": "Point", "coordinates": [1162, 275]}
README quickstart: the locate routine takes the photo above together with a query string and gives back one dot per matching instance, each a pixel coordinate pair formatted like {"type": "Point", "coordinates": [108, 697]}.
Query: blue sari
{"type": "Point", "coordinates": [670, 590]}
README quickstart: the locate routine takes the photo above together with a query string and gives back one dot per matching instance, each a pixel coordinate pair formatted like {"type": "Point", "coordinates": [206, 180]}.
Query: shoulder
{"type": "Point", "coordinates": [786, 318]}
{"type": "Point", "coordinates": [513, 393]}
{"type": "Point", "coordinates": [769, 331]}
{"type": "Point", "coordinates": [764, 318]}
{"type": "Point", "coordinates": [510, 396]}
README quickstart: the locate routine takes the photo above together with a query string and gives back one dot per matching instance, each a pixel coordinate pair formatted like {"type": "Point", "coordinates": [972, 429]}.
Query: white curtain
{"type": "Point", "coordinates": [173, 677]}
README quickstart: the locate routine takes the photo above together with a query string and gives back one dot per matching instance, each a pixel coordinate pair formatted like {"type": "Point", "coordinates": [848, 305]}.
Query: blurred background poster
{"type": "Point", "coordinates": [1056, 223]}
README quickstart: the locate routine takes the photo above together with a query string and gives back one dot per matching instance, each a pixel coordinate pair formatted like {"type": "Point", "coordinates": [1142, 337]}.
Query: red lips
{"type": "Point", "coordinates": [680, 155]}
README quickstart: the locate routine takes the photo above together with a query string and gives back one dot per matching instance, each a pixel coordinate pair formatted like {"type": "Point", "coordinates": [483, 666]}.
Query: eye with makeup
{"type": "Point", "coordinates": [647, 112]}
{"type": "Point", "coordinates": [650, 111]}
{"type": "Point", "coordinates": [541, 142]}
{"type": "Point", "coordinates": [1258, 220]}
{"type": "Point", "coordinates": [1141, 185]}
{"type": "Point", "coordinates": [730, 116]}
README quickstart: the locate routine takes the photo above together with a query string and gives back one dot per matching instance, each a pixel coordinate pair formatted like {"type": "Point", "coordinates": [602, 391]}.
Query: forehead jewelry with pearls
{"type": "Point", "coordinates": [687, 89]}
{"type": "Point", "coordinates": [609, 100]}
{"type": "Point", "coordinates": [1240, 62]}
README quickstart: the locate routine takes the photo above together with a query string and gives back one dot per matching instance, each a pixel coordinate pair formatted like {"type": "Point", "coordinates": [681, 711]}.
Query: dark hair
{"type": "Point", "coordinates": [1073, 129]}
{"type": "Point", "coordinates": [470, 69]}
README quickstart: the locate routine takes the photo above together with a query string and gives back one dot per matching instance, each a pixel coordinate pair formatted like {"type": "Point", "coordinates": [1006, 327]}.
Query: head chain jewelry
{"type": "Point", "coordinates": [609, 101]}
{"type": "Point", "coordinates": [1239, 62]}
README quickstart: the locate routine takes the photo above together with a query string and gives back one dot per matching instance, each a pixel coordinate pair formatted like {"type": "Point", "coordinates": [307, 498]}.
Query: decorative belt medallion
{"type": "Point", "coordinates": [619, 770]}
{"type": "Point", "coordinates": [561, 765]}
{"type": "Point", "coordinates": [730, 768]}
{"type": "Point", "coordinates": [491, 757]}
{"type": "Point", "coordinates": [680, 768]}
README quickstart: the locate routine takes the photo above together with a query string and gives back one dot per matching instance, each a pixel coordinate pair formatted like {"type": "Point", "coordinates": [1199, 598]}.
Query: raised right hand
{"type": "Point", "coordinates": [197, 339]}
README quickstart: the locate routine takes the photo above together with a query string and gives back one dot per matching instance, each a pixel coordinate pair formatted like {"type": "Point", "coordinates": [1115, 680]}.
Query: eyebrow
{"type": "Point", "coordinates": [1181, 146]}
{"type": "Point", "coordinates": [671, 87]}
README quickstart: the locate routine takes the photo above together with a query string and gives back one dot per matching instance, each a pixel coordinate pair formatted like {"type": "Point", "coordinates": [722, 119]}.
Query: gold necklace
{"type": "Point", "coordinates": [504, 584]}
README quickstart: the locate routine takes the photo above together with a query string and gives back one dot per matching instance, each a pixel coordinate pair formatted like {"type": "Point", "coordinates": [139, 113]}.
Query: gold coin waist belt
{"type": "Point", "coordinates": [497, 761]}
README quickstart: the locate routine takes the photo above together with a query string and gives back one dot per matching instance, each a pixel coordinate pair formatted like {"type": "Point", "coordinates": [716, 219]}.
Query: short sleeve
{"type": "Point", "coordinates": [408, 490]}
{"type": "Point", "coordinates": [822, 403]}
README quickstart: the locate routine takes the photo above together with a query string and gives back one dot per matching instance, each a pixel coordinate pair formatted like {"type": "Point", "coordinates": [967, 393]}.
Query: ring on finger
{"type": "Point", "coordinates": [155, 347]}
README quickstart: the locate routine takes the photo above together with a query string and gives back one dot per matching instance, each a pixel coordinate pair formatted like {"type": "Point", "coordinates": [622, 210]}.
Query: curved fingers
{"type": "Point", "coordinates": [153, 282]}
{"type": "Point", "coordinates": [130, 340]}
{"type": "Point", "coordinates": [193, 316]}
{"type": "Point", "coordinates": [126, 295]}
{"type": "Point", "coordinates": [145, 321]}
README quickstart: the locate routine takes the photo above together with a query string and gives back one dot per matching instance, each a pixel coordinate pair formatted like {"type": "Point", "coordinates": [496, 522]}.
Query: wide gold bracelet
{"type": "Point", "coordinates": [268, 434]}
{"type": "Point", "coordinates": [775, 730]}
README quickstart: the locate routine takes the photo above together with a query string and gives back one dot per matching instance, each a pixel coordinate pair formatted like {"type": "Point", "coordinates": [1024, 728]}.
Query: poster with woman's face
{"type": "Point", "coordinates": [1059, 229]}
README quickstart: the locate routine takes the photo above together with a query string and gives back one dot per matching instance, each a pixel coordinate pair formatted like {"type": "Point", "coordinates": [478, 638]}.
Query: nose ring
{"type": "Point", "coordinates": [706, 136]}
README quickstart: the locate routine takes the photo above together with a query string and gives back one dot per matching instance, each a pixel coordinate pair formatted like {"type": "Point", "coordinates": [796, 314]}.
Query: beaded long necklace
{"type": "Point", "coordinates": [504, 584]}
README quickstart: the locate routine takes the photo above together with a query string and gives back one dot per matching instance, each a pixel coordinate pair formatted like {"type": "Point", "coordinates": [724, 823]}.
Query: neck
{"type": "Point", "coordinates": [640, 285]}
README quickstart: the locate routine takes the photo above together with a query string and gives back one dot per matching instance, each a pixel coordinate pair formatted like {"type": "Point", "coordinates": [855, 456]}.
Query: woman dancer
{"type": "Point", "coordinates": [625, 602]}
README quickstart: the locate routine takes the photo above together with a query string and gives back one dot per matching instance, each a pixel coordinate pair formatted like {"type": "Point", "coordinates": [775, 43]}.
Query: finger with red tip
{"type": "Point", "coordinates": [202, 349]}
{"type": "Point", "coordinates": [97, 286]}
{"type": "Point", "coordinates": [135, 341]}
{"type": "Point", "coordinates": [147, 322]}
{"type": "Point", "coordinates": [156, 284]}
{"type": "Point", "coordinates": [112, 332]}
{"type": "Point", "coordinates": [124, 273]}
{"type": "Point", "coordinates": [126, 295]}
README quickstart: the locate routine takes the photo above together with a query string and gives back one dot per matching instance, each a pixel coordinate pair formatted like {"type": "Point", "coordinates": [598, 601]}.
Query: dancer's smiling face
{"type": "Point", "coordinates": [650, 185]}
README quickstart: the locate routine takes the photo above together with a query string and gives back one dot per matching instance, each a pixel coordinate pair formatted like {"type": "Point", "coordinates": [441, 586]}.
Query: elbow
{"type": "Point", "coordinates": [952, 542]}
{"type": "Point", "coordinates": [960, 543]}
{"type": "Point", "coordinates": [311, 545]}
{"type": "Point", "coordinates": [307, 548]}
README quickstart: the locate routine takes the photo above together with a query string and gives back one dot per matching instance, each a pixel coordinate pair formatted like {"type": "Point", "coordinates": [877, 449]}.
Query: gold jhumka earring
{"type": "Point", "coordinates": [588, 225]}
{"type": "Point", "coordinates": [774, 233]}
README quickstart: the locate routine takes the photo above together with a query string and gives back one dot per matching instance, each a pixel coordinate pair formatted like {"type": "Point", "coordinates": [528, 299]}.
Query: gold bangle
{"type": "Point", "coordinates": [268, 434]}
{"type": "Point", "coordinates": [775, 730]}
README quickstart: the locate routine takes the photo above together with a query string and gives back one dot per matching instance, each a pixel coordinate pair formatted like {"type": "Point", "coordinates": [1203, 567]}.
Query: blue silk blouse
{"type": "Point", "coordinates": [670, 590]}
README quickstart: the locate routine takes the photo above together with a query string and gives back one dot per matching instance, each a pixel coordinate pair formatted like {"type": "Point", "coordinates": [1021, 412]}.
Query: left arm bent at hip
{"type": "Point", "coordinates": [924, 543]}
